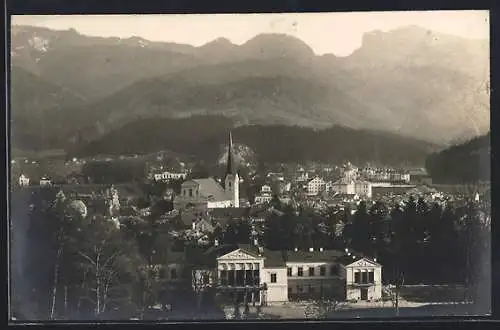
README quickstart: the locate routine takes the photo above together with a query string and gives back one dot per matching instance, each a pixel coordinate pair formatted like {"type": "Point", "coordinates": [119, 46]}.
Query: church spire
{"type": "Point", "coordinates": [231, 168]}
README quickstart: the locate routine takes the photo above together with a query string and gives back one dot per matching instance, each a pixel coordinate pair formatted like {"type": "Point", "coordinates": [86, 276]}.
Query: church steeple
{"type": "Point", "coordinates": [232, 179]}
{"type": "Point", "coordinates": [231, 168]}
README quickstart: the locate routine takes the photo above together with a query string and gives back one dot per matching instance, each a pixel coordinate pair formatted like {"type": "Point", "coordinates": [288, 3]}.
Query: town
{"type": "Point", "coordinates": [163, 238]}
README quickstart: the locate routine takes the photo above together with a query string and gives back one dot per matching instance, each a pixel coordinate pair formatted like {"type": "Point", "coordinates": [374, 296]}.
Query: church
{"type": "Point", "coordinates": [207, 193]}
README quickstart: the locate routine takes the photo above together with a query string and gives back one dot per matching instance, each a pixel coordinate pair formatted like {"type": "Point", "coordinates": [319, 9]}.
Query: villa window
{"type": "Point", "coordinates": [300, 271]}
{"type": "Point", "coordinates": [333, 270]}
{"type": "Point", "coordinates": [190, 192]}
{"type": "Point", "coordinates": [173, 274]}
{"type": "Point", "coordinates": [364, 277]}
{"type": "Point", "coordinates": [300, 288]}
{"type": "Point", "coordinates": [289, 271]}
{"type": "Point", "coordinates": [371, 277]}
{"type": "Point", "coordinates": [311, 271]}
{"type": "Point", "coordinates": [357, 277]}
{"type": "Point", "coordinates": [273, 278]}
{"type": "Point", "coordinates": [322, 271]}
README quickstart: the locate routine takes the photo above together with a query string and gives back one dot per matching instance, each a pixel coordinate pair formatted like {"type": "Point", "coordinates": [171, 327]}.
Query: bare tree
{"type": "Point", "coordinates": [108, 263]}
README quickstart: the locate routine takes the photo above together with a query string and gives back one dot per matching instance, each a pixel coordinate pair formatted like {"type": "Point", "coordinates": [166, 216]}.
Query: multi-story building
{"type": "Point", "coordinates": [363, 189]}
{"type": "Point", "coordinates": [315, 186]}
{"type": "Point", "coordinates": [44, 181]}
{"type": "Point", "coordinates": [254, 274]}
{"type": "Point", "coordinates": [167, 176]}
{"type": "Point", "coordinates": [265, 195]}
{"type": "Point", "coordinates": [343, 186]}
{"type": "Point", "coordinates": [23, 181]}
{"type": "Point", "coordinates": [363, 280]}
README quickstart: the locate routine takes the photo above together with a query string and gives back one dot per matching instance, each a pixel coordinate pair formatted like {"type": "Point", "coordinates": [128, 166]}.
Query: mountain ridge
{"type": "Point", "coordinates": [378, 87]}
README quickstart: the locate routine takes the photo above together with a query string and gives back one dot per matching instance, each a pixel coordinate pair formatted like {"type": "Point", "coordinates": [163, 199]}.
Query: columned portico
{"type": "Point", "coordinates": [239, 276]}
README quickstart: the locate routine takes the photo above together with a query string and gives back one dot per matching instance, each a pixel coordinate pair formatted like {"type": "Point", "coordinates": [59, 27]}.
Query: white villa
{"type": "Point", "coordinates": [254, 274]}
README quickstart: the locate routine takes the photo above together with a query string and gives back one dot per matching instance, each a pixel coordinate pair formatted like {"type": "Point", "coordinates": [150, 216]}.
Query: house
{"type": "Point", "coordinates": [44, 182]}
{"type": "Point", "coordinates": [419, 176]}
{"type": "Point", "coordinates": [343, 186]}
{"type": "Point", "coordinates": [261, 199]}
{"type": "Point", "coordinates": [24, 181]}
{"type": "Point", "coordinates": [363, 189]}
{"type": "Point", "coordinates": [265, 195]}
{"type": "Point", "coordinates": [364, 280]}
{"type": "Point", "coordinates": [203, 225]}
{"type": "Point", "coordinates": [266, 189]}
{"type": "Point", "coordinates": [207, 193]}
{"type": "Point", "coordinates": [315, 186]}
{"type": "Point", "coordinates": [167, 176]}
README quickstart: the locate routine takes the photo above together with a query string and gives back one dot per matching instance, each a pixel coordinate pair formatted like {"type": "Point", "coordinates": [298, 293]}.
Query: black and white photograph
{"type": "Point", "coordinates": [236, 167]}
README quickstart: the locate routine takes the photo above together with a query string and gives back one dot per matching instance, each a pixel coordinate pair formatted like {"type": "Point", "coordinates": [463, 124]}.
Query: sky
{"type": "Point", "coordinates": [335, 33]}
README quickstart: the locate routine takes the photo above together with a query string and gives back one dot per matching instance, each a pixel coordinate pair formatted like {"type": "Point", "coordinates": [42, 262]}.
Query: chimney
{"type": "Point", "coordinates": [375, 259]}
{"type": "Point", "coordinates": [261, 250]}
{"type": "Point", "coordinates": [311, 249]}
{"type": "Point", "coordinates": [256, 242]}
{"type": "Point", "coordinates": [320, 249]}
{"type": "Point", "coordinates": [193, 225]}
{"type": "Point", "coordinates": [216, 242]}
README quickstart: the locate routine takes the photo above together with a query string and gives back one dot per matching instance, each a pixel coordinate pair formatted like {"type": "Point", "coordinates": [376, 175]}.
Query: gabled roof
{"type": "Point", "coordinates": [211, 189]}
{"type": "Point", "coordinates": [245, 248]}
{"type": "Point", "coordinates": [362, 260]}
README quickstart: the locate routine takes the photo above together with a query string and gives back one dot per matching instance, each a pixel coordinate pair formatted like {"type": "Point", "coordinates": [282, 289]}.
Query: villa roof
{"type": "Point", "coordinates": [314, 256]}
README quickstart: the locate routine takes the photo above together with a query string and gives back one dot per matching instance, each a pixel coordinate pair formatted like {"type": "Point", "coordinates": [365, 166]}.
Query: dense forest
{"type": "Point", "coordinates": [464, 163]}
{"type": "Point", "coordinates": [202, 136]}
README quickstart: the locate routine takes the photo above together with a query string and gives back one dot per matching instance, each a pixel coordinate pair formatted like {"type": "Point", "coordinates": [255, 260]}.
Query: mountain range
{"type": "Point", "coordinates": [68, 88]}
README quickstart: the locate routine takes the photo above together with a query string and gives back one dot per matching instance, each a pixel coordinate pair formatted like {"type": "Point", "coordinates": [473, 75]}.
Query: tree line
{"type": "Point", "coordinates": [201, 135]}
{"type": "Point", "coordinates": [468, 162]}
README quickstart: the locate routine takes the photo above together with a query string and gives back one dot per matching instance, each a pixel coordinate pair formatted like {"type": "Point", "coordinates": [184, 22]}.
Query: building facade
{"type": "Point", "coordinates": [363, 189]}
{"type": "Point", "coordinates": [167, 176]}
{"type": "Point", "coordinates": [23, 181]}
{"type": "Point", "coordinates": [315, 186]}
{"type": "Point", "coordinates": [363, 280]}
{"type": "Point", "coordinates": [257, 275]}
